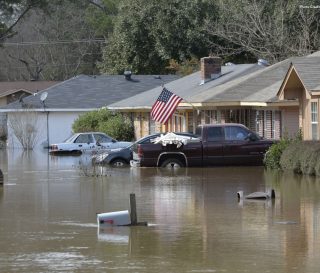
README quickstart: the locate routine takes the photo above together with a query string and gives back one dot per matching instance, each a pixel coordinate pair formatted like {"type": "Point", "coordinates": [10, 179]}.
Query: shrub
{"type": "Point", "coordinates": [302, 157]}
{"type": "Point", "coordinates": [309, 157]}
{"type": "Point", "coordinates": [119, 127]}
{"type": "Point", "coordinates": [273, 155]}
{"type": "Point", "coordinates": [90, 121]}
{"type": "Point", "coordinates": [290, 157]}
{"type": "Point", "coordinates": [113, 124]}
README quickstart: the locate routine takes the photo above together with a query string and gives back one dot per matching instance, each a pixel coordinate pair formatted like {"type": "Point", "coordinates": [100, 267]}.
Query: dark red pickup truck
{"type": "Point", "coordinates": [217, 144]}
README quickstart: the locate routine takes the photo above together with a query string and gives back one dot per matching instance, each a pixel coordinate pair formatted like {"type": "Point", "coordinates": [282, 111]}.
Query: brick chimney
{"type": "Point", "coordinates": [210, 68]}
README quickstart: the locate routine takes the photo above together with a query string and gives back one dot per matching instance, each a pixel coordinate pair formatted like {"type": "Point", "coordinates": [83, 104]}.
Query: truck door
{"type": "Point", "coordinates": [213, 146]}
{"type": "Point", "coordinates": [238, 148]}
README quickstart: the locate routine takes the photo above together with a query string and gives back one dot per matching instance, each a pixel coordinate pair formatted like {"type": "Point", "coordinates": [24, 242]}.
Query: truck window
{"type": "Point", "coordinates": [235, 133]}
{"type": "Point", "coordinates": [215, 134]}
{"type": "Point", "coordinates": [199, 132]}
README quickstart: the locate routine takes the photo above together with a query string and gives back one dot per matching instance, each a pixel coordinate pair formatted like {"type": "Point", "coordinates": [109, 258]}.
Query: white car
{"type": "Point", "coordinates": [90, 141]}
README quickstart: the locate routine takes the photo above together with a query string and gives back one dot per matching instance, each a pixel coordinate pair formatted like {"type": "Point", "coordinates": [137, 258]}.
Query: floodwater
{"type": "Point", "coordinates": [48, 209]}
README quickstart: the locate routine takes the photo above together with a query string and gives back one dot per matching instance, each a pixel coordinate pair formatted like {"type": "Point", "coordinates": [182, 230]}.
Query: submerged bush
{"type": "Point", "coordinates": [302, 157]}
{"type": "Point", "coordinates": [290, 157]}
{"type": "Point", "coordinates": [273, 155]}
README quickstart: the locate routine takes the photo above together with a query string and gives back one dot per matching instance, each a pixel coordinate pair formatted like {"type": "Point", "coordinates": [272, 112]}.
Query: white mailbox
{"type": "Point", "coordinates": [117, 218]}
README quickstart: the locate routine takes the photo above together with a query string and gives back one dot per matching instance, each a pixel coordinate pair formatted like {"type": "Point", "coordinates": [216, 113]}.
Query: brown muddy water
{"type": "Point", "coordinates": [48, 209]}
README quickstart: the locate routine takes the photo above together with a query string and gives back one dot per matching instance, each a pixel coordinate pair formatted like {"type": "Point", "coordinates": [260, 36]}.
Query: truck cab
{"type": "Point", "coordinates": [218, 144]}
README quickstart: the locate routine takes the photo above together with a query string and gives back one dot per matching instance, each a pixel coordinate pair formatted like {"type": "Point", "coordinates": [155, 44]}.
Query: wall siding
{"type": "Point", "coordinates": [290, 124]}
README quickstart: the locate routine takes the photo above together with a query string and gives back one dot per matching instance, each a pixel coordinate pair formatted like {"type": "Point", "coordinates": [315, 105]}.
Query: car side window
{"type": "Point", "coordinates": [84, 138]}
{"type": "Point", "coordinates": [235, 133]}
{"type": "Point", "coordinates": [102, 138]}
{"type": "Point", "coordinates": [215, 134]}
{"type": "Point", "coordinates": [149, 140]}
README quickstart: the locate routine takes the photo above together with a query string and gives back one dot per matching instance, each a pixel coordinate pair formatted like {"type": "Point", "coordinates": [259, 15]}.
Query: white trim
{"type": "Point", "coordinates": [130, 108]}
{"type": "Point", "coordinates": [47, 110]}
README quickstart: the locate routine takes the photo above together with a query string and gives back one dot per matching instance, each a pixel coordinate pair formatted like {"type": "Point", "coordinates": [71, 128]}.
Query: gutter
{"type": "Point", "coordinates": [47, 110]}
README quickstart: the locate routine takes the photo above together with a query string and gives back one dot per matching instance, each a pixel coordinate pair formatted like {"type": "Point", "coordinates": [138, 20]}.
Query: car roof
{"type": "Point", "coordinates": [90, 133]}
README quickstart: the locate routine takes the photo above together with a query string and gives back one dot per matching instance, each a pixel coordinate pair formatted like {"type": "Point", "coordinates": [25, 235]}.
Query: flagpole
{"type": "Point", "coordinates": [194, 107]}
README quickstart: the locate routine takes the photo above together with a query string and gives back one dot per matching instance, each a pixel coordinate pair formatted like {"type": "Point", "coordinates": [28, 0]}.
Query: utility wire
{"type": "Point", "coordinates": [52, 42]}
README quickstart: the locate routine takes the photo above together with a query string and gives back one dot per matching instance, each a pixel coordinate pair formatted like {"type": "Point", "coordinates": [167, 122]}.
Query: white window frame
{"type": "Point", "coordinates": [314, 120]}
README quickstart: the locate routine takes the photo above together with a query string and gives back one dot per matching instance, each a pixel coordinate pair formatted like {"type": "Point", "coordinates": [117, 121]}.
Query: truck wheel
{"type": "Point", "coordinates": [172, 163]}
{"type": "Point", "coordinates": [119, 163]}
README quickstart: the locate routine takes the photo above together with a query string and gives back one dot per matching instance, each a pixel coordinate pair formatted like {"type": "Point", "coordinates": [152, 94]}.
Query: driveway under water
{"type": "Point", "coordinates": [48, 209]}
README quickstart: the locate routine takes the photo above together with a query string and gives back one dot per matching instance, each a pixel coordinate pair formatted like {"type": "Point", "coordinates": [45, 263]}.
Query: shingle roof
{"type": "Point", "coordinates": [92, 92]}
{"type": "Point", "coordinates": [260, 86]}
{"type": "Point", "coordinates": [240, 83]}
{"type": "Point", "coordinates": [309, 71]}
{"type": "Point", "coordinates": [188, 87]}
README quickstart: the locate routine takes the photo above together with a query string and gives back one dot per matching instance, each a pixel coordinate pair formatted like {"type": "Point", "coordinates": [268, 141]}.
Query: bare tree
{"type": "Point", "coordinates": [270, 29]}
{"type": "Point", "coordinates": [51, 46]}
{"type": "Point", "coordinates": [25, 127]}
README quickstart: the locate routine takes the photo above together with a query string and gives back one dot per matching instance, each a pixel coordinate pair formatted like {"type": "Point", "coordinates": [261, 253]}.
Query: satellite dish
{"type": "Point", "coordinates": [43, 96]}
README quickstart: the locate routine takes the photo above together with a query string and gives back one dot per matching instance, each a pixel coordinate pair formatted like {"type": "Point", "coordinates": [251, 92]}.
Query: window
{"type": "Point", "coordinates": [314, 120]}
{"type": "Point", "coordinates": [84, 138]}
{"type": "Point", "coordinates": [102, 138]}
{"type": "Point", "coordinates": [215, 133]}
{"type": "Point", "coordinates": [199, 131]}
{"type": "Point", "coordinates": [235, 133]}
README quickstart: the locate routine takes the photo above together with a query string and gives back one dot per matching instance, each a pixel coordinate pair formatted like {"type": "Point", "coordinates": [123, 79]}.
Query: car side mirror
{"type": "Point", "coordinates": [113, 141]}
{"type": "Point", "coordinates": [98, 143]}
{"type": "Point", "coordinates": [251, 137]}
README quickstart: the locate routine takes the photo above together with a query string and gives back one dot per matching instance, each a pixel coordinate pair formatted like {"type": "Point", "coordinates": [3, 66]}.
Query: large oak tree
{"type": "Point", "coordinates": [148, 33]}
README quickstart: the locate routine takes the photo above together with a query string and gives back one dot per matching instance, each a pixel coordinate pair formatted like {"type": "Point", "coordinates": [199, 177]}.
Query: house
{"type": "Point", "coordinates": [12, 91]}
{"type": "Point", "coordinates": [196, 90]}
{"type": "Point", "coordinates": [273, 101]}
{"type": "Point", "coordinates": [49, 114]}
{"type": "Point", "coordinates": [301, 87]}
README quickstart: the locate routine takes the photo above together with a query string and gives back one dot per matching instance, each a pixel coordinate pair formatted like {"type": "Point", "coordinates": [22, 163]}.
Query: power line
{"type": "Point", "coordinates": [46, 66]}
{"type": "Point", "coordinates": [53, 42]}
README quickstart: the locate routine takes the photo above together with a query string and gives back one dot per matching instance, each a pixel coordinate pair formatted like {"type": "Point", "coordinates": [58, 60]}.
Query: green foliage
{"type": "Point", "coordinates": [148, 33]}
{"type": "Point", "coordinates": [113, 124]}
{"type": "Point", "coordinates": [283, 149]}
{"type": "Point", "coordinates": [185, 67]}
{"type": "Point", "coordinates": [290, 157]}
{"type": "Point", "coordinates": [273, 155]}
{"type": "Point", "coordinates": [101, 16]}
{"type": "Point", "coordinates": [119, 127]}
{"type": "Point", "coordinates": [302, 157]}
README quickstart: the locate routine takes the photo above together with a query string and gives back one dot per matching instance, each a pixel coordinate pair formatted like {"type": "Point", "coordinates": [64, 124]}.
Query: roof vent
{"type": "Point", "coordinates": [229, 64]}
{"type": "Point", "coordinates": [263, 62]}
{"type": "Point", "coordinates": [127, 74]}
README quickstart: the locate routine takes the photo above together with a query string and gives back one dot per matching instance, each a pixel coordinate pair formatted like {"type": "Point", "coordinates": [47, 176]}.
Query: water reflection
{"type": "Point", "coordinates": [48, 220]}
{"type": "Point", "coordinates": [118, 235]}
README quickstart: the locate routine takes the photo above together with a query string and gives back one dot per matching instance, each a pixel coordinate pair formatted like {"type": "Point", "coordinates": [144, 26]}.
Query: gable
{"type": "Point", "coordinates": [292, 86]}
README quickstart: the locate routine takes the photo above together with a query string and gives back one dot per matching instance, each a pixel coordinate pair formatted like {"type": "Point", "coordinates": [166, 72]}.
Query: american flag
{"type": "Point", "coordinates": [164, 106]}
